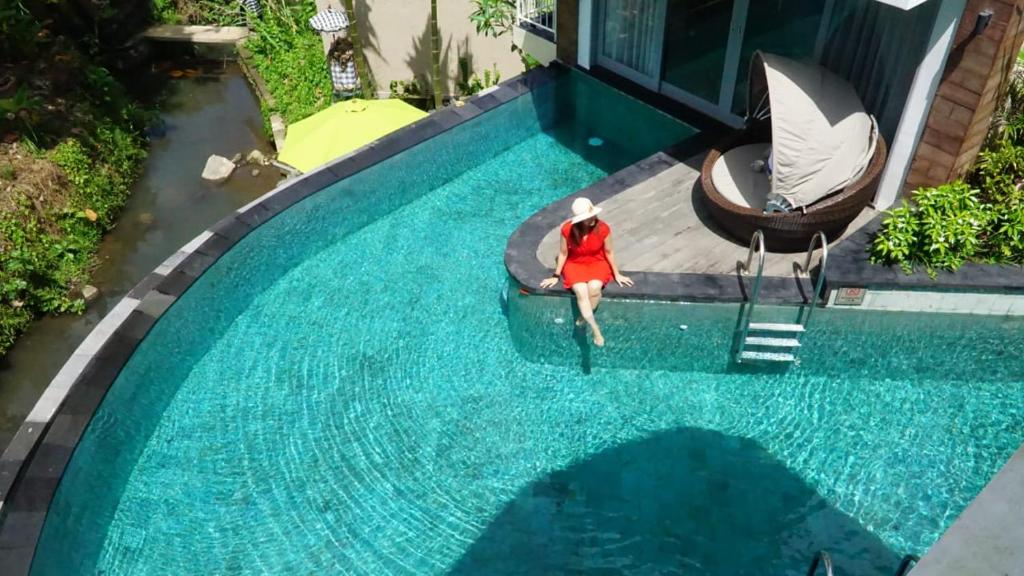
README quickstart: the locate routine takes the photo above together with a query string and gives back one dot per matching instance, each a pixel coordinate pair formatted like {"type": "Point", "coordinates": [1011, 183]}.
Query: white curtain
{"type": "Point", "coordinates": [631, 34]}
{"type": "Point", "coordinates": [877, 48]}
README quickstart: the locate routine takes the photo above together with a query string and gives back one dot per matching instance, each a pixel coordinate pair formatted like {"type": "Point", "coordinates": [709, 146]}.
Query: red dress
{"type": "Point", "coordinates": [587, 261]}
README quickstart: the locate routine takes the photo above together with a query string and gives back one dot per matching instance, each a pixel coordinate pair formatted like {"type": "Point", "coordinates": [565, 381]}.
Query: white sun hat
{"type": "Point", "coordinates": [583, 209]}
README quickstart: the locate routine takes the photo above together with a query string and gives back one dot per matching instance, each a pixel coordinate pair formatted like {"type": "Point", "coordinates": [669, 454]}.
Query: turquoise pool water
{"type": "Point", "coordinates": [354, 389]}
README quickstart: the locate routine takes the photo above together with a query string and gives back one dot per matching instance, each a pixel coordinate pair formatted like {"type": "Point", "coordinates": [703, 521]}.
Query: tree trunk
{"type": "Point", "coordinates": [435, 55]}
{"type": "Point", "coordinates": [361, 68]}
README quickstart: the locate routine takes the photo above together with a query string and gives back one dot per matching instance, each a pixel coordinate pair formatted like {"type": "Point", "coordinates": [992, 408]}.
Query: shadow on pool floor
{"type": "Point", "coordinates": [686, 501]}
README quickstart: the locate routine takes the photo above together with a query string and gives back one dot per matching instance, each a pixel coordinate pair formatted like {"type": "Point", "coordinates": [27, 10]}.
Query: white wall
{"type": "Point", "coordinates": [919, 103]}
{"type": "Point", "coordinates": [397, 42]}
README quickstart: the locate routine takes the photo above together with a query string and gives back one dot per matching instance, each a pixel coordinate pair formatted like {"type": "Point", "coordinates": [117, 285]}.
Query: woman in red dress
{"type": "Point", "coordinates": [586, 261]}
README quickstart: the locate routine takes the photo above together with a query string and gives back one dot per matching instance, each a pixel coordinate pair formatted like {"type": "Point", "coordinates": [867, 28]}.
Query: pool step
{"type": "Point", "coordinates": [776, 342]}
{"type": "Point", "coordinates": [767, 356]}
{"type": "Point", "coordinates": [768, 327]}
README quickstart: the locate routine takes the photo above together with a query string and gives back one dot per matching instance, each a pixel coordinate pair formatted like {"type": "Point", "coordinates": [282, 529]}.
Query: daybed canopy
{"type": "Point", "coordinates": [822, 139]}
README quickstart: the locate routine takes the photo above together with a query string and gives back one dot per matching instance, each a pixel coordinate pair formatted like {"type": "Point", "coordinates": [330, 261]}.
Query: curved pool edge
{"type": "Point", "coordinates": [32, 465]}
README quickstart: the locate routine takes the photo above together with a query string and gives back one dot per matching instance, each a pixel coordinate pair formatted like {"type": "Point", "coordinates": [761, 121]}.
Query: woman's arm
{"type": "Point", "coordinates": [609, 253]}
{"type": "Point", "coordinates": [563, 253]}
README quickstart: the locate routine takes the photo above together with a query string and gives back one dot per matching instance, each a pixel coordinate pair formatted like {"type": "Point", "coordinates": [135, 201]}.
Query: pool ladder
{"type": "Point", "coordinates": [776, 342]}
{"type": "Point", "coordinates": [824, 561]}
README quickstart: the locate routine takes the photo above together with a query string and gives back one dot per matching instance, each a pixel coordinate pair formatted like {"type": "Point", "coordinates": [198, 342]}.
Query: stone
{"type": "Point", "coordinates": [255, 157]}
{"type": "Point", "coordinates": [218, 168]}
{"type": "Point", "coordinates": [237, 157]}
{"type": "Point", "coordinates": [146, 218]}
{"type": "Point", "coordinates": [90, 292]}
{"type": "Point", "coordinates": [255, 172]}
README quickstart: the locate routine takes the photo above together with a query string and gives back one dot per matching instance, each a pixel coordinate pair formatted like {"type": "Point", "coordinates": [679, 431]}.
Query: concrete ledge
{"type": "Point", "coordinates": [988, 537]}
{"type": "Point", "coordinates": [196, 34]}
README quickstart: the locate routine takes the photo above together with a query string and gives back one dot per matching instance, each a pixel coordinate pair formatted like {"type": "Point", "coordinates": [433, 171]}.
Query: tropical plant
{"type": "Point", "coordinates": [362, 68]}
{"type": "Point", "coordinates": [406, 89]}
{"type": "Point", "coordinates": [946, 226]}
{"type": "Point", "coordinates": [999, 173]}
{"type": "Point", "coordinates": [496, 18]}
{"type": "Point", "coordinates": [18, 110]}
{"type": "Point", "coordinates": [435, 56]}
{"type": "Point", "coordinates": [19, 30]}
{"type": "Point", "coordinates": [1008, 120]}
{"type": "Point", "coordinates": [290, 58]}
{"type": "Point", "coordinates": [470, 83]}
{"type": "Point", "coordinates": [493, 18]}
{"type": "Point", "coordinates": [207, 12]}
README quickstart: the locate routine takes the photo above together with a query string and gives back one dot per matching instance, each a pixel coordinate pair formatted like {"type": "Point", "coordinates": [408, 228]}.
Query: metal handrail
{"type": "Point", "coordinates": [824, 559]}
{"type": "Point", "coordinates": [818, 237]}
{"type": "Point", "coordinates": [905, 564]}
{"type": "Point", "coordinates": [756, 243]}
{"type": "Point", "coordinates": [806, 270]}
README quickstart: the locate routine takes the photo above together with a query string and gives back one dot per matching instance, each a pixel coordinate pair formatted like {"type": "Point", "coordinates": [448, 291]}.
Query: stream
{"type": "Point", "coordinates": [212, 112]}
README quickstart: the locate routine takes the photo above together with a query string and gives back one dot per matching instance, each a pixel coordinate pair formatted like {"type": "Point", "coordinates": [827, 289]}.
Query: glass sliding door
{"type": "Point", "coordinates": [788, 28]}
{"type": "Point", "coordinates": [699, 51]}
{"type": "Point", "coordinates": [696, 41]}
{"type": "Point", "coordinates": [877, 48]}
{"type": "Point", "coordinates": [631, 34]}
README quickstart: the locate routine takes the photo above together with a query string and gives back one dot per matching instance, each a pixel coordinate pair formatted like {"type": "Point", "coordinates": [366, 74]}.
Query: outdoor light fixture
{"type": "Point", "coordinates": [984, 19]}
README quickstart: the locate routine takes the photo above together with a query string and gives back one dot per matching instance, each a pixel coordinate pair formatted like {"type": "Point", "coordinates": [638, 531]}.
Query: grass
{"type": "Point", "coordinates": [290, 57]}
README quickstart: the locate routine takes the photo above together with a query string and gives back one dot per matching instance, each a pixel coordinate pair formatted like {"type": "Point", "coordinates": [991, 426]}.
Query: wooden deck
{"type": "Point", "coordinates": [661, 225]}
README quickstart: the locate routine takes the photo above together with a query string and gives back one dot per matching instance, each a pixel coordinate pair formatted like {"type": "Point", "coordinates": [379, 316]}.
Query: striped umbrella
{"type": "Point", "coordinates": [329, 21]}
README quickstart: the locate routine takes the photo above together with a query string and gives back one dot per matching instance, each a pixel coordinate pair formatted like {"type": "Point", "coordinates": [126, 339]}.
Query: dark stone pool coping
{"type": "Point", "coordinates": [849, 265]}
{"type": "Point", "coordinates": [524, 267]}
{"type": "Point", "coordinates": [32, 464]}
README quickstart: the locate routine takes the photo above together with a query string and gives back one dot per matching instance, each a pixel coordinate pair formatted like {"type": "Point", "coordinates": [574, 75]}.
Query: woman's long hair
{"type": "Point", "coordinates": [579, 230]}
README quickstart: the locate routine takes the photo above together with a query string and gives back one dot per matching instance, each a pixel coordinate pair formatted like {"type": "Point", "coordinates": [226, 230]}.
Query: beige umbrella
{"type": "Point", "coordinates": [822, 138]}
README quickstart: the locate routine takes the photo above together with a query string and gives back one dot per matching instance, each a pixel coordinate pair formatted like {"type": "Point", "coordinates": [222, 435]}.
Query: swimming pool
{"type": "Point", "coordinates": [354, 389]}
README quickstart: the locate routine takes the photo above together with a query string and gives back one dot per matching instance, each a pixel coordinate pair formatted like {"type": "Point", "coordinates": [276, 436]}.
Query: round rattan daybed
{"type": "Point", "coordinates": [826, 153]}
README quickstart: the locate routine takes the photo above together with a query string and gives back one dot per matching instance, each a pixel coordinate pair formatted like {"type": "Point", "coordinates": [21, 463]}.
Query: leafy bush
{"type": "Point", "coordinates": [981, 219]}
{"type": "Point", "coordinates": [206, 12]}
{"type": "Point", "coordinates": [945, 227]}
{"type": "Point", "coordinates": [496, 18]}
{"type": "Point", "coordinates": [64, 181]}
{"type": "Point", "coordinates": [470, 83]}
{"type": "Point", "coordinates": [999, 173]}
{"type": "Point", "coordinates": [1008, 120]}
{"type": "Point", "coordinates": [19, 30]}
{"type": "Point", "coordinates": [291, 59]}
{"type": "Point", "coordinates": [1007, 239]}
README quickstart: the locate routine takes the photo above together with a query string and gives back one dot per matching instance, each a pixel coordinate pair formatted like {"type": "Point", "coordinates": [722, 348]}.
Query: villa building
{"type": "Point", "coordinates": [930, 71]}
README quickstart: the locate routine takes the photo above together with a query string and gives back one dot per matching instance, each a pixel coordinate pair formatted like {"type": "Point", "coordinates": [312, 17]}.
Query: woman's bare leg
{"type": "Point", "coordinates": [582, 291]}
{"type": "Point", "coordinates": [594, 288]}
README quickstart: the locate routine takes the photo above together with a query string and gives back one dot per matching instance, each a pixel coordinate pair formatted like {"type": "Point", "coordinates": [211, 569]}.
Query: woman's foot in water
{"type": "Point", "coordinates": [598, 338]}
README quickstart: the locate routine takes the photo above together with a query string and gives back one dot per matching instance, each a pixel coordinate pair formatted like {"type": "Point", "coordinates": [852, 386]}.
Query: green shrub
{"type": "Point", "coordinates": [101, 179]}
{"type": "Point", "coordinates": [999, 173]}
{"type": "Point", "coordinates": [46, 254]}
{"type": "Point", "coordinates": [945, 227]}
{"type": "Point", "coordinates": [290, 57]}
{"type": "Point", "coordinates": [1007, 239]}
{"type": "Point", "coordinates": [39, 266]}
{"type": "Point", "coordinates": [206, 12]}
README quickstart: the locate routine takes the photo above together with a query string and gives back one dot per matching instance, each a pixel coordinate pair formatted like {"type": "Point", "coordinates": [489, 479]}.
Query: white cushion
{"type": "Point", "coordinates": [734, 179]}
